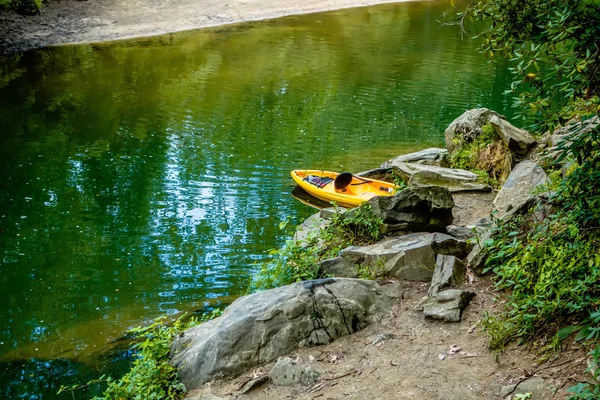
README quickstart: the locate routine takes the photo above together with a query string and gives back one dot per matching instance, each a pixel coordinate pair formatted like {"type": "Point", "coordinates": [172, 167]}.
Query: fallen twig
{"type": "Point", "coordinates": [340, 376]}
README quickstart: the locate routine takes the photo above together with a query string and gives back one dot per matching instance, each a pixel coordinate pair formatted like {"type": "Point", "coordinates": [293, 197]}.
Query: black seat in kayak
{"type": "Point", "coordinates": [342, 180]}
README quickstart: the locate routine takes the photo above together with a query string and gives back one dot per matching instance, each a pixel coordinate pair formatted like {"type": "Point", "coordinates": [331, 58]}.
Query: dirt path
{"type": "Point", "coordinates": [72, 21]}
{"type": "Point", "coordinates": [415, 364]}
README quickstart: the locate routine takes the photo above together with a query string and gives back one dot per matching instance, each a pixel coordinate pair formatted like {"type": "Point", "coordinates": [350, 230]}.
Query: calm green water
{"type": "Point", "coordinates": [143, 178]}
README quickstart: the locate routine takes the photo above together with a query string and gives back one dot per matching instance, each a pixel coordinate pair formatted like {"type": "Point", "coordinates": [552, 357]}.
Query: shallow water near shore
{"type": "Point", "coordinates": [149, 177]}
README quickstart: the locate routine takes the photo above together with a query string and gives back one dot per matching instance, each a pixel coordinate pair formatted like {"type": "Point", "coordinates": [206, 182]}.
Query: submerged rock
{"type": "Point", "coordinates": [448, 305]}
{"type": "Point", "coordinates": [455, 180]}
{"type": "Point", "coordinates": [410, 257]}
{"type": "Point", "coordinates": [517, 140]}
{"type": "Point", "coordinates": [467, 127]}
{"type": "Point", "coordinates": [449, 271]}
{"type": "Point", "coordinates": [262, 326]}
{"type": "Point", "coordinates": [518, 189]}
{"type": "Point", "coordinates": [425, 209]}
{"type": "Point", "coordinates": [431, 156]}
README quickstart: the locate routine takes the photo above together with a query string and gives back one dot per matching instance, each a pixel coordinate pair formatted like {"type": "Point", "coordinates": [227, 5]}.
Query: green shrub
{"type": "Point", "coordinates": [297, 262]}
{"type": "Point", "coordinates": [152, 376]}
{"type": "Point", "coordinates": [27, 7]}
{"type": "Point", "coordinates": [551, 268]}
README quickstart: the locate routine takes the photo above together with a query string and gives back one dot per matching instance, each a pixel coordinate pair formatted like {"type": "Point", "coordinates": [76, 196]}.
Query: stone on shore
{"type": "Point", "coordinates": [448, 305]}
{"type": "Point", "coordinates": [431, 156]}
{"type": "Point", "coordinates": [455, 180]}
{"type": "Point", "coordinates": [449, 271]}
{"type": "Point", "coordinates": [517, 191]}
{"type": "Point", "coordinates": [517, 140]}
{"type": "Point", "coordinates": [410, 257]}
{"type": "Point", "coordinates": [467, 127]}
{"type": "Point", "coordinates": [425, 209]}
{"type": "Point", "coordinates": [262, 326]}
{"type": "Point", "coordinates": [287, 372]}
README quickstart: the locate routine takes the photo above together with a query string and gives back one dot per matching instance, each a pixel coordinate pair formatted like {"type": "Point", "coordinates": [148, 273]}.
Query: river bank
{"type": "Point", "coordinates": [414, 351]}
{"type": "Point", "coordinates": [70, 22]}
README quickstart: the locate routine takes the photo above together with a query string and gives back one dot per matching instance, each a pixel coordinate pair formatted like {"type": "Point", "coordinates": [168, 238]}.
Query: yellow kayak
{"type": "Point", "coordinates": [345, 189]}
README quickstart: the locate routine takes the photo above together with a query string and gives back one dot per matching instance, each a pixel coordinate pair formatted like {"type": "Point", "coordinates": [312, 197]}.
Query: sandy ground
{"type": "Point", "coordinates": [415, 363]}
{"type": "Point", "coordinates": [72, 21]}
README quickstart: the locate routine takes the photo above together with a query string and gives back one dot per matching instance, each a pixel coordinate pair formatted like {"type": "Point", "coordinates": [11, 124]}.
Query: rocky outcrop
{"type": "Point", "coordinates": [431, 156]}
{"type": "Point", "coordinates": [410, 257]}
{"type": "Point", "coordinates": [467, 127]}
{"type": "Point", "coordinates": [263, 326]}
{"type": "Point", "coordinates": [518, 188]}
{"type": "Point", "coordinates": [517, 140]}
{"type": "Point", "coordinates": [425, 209]}
{"type": "Point", "coordinates": [455, 180]}
{"type": "Point", "coordinates": [449, 271]}
{"type": "Point", "coordinates": [448, 305]}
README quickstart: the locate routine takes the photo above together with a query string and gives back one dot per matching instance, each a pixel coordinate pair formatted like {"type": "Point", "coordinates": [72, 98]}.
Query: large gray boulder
{"type": "Point", "coordinates": [517, 140]}
{"type": "Point", "coordinates": [455, 180]}
{"type": "Point", "coordinates": [410, 257]}
{"type": "Point", "coordinates": [424, 209]}
{"type": "Point", "coordinates": [518, 189]}
{"type": "Point", "coordinates": [467, 127]}
{"type": "Point", "coordinates": [431, 156]}
{"type": "Point", "coordinates": [262, 326]}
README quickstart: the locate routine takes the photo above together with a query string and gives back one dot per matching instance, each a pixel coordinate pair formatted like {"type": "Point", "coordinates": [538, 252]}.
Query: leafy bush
{"type": "Point", "coordinates": [297, 262]}
{"type": "Point", "coordinates": [152, 376]}
{"type": "Point", "coordinates": [471, 156]}
{"type": "Point", "coordinates": [553, 46]}
{"type": "Point", "coordinates": [552, 266]}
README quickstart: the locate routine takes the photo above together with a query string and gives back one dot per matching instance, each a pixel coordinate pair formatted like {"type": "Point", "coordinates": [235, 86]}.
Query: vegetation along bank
{"type": "Point", "coordinates": [425, 257]}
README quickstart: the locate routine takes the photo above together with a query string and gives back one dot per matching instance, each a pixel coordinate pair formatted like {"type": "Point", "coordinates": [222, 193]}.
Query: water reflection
{"type": "Point", "coordinates": [148, 177]}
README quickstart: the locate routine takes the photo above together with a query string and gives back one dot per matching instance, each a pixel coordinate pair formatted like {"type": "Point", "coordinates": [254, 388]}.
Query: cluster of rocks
{"type": "Point", "coordinates": [260, 327]}
{"type": "Point", "coordinates": [419, 244]}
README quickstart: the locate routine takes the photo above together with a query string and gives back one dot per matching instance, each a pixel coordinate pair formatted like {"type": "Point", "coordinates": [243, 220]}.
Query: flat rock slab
{"type": "Point", "coordinates": [431, 156]}
{"type": "Point", "coordinates": [455, 180]}
{"type": "Point", "coordinates": [262, 326]}
{"type": "Point", "coordinates": [410, 257]}
{"type": "Point", "coordinates": [448, 305]}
